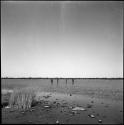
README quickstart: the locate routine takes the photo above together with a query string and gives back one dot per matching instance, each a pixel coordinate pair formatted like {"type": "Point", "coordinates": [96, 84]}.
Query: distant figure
{"type": "Point", "coordinates": [57, 81]}
{"type": "Point", "coordinates": [52, 81]}
{"type": "Point", "coordinates": [72, 81]}
{"type": "Point", "coordinates": [66, 81]}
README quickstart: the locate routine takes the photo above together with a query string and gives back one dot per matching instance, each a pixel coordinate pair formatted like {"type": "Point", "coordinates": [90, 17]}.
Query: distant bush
{"type": "Point", "coordinates": [22, 98]}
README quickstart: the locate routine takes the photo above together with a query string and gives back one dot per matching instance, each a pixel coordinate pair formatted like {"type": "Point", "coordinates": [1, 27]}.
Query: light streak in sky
{"type": "Point", "coordinates": [62, 11]}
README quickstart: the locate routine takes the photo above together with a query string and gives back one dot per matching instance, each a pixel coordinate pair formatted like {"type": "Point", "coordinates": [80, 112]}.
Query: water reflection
{"type": "Point", "coordinates": [57, 81]}
{"type": "Point", "coordinates": [66, 81]}
{"type": "Point", "coordinates": [57, 85]}
{"type": "Point", "coordinates": [51, 81]}
{"type": "Point", "coordinates": [72, 81]}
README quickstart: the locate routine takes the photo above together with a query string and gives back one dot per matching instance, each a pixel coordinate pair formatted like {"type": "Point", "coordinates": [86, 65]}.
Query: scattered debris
{"type": "Point", "coordinates": [65, 103]}
{"type": "Point", "coordinates": [54, 102]}
{"type": "Point", "coordinates": [47, 96]}
{"type": "Point", "coordinates": [4, 104]}
{"type": "Point", "coordinates": [64, 106]}
{"type": "Point", "coordinates": [16, 116]}
{"type": "Point", "coordinates": [30, 121]}
{"type": "Point", "coordinates": [97, 114]}
{"type": "Point", "coordinates": [100, 121]}
{"type": "Point", "coordinates": [71, 107]}
{"type": "Point", "coordinates": [74, 112]}
{"type": "Point", "coordinates": [58, 103]}
{"type": "Point", "coordinates": [46, 106]}
{"type": "Point", "coordinates": [92, 101]}
{"type": "Point", "coordinates": [57, 122]}
{"type": "Point", "coordinates": [92, 116]}
{"type": "Point", "coordinates": [7, 107]}
{"type": "Point", "coordinates": [32, 110]}
{"type": "Point", "coordinates": [89, 106]}
{"type": "Point", "coordinates": [11, 110]}
{"type": "Point", "coordinates": [78, 108]}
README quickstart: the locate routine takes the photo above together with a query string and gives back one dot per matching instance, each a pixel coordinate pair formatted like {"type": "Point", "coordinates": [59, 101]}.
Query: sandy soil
{"type": "Point", "coordinates": [60, 109]}
{"type": "Point", "coordinates": [106, 105]}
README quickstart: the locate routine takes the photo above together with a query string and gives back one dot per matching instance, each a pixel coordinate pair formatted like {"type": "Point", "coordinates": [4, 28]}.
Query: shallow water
{"type": "Point", "coordinates": [98, 88]}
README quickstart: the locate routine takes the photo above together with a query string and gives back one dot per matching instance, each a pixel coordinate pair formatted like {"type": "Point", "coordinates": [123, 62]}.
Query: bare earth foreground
{"type": "Point", "coordinates": [87, 101]}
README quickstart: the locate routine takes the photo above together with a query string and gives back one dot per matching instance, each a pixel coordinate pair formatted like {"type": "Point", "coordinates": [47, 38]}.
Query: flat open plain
{"type": "Point", "coordinates": [101, 99]}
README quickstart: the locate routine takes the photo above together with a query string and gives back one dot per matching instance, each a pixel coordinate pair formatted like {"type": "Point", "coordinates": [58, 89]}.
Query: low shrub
{"type": "Point", "coordinates": [22, 98]}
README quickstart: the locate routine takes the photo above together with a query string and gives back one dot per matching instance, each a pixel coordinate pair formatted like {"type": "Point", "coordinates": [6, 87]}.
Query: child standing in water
{"type": "Point", "coordinates": [73, 81]}
{"type": "Point", "coordinates": [57, 81]}
{"type": "Point", "coordinates": [66, 81]}
{"type": "Point", "coordinates": [51, 81]}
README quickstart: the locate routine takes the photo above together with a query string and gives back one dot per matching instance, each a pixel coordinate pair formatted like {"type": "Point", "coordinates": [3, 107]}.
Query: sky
{"type": "Point", "coordinates": [62, 39]}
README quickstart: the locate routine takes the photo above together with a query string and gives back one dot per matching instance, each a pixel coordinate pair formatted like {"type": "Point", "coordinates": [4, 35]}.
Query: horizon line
{"type": "Point", "coordinates": [61, 78]}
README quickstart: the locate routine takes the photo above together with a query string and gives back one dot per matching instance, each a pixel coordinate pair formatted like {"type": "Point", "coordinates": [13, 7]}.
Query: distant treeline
{"type": "Point", "coordinates": [56, 78]}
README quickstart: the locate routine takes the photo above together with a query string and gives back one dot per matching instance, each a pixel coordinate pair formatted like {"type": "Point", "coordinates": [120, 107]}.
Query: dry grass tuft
{"type": "Point", "coordinates": [22, 98]}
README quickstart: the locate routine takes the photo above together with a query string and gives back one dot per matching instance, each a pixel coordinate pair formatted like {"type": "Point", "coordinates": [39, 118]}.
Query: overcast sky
{"type": "Point", "coordinates": [62, 39]}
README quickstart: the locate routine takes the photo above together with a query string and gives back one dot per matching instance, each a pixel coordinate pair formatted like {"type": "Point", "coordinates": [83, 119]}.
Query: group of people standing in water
{"type": "Point", "coordinates": [58, 81]}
